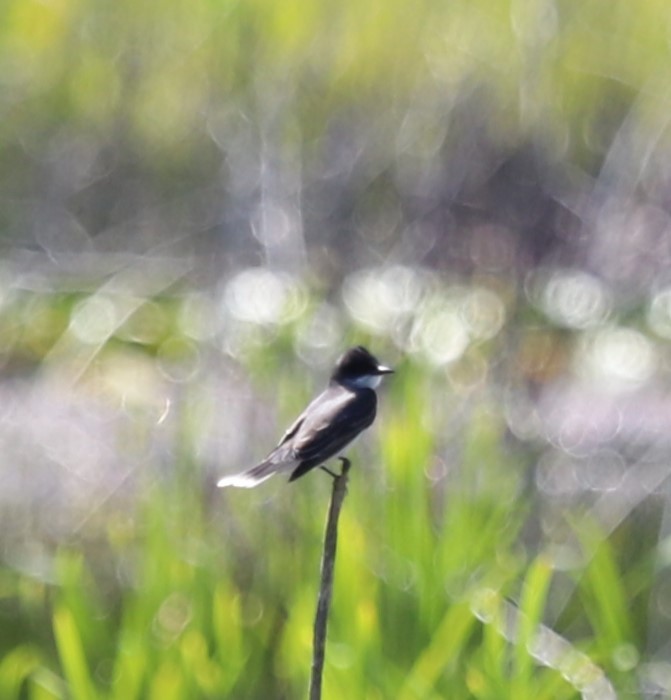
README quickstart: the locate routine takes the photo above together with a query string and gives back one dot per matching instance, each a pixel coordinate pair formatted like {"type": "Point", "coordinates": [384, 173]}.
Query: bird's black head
{"type": "Point", "coordinates": [358, 368]}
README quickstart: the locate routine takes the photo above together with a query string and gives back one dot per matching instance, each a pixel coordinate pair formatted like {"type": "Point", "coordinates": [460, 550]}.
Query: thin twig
{"type": "Point", "coordinates": [326, 586]}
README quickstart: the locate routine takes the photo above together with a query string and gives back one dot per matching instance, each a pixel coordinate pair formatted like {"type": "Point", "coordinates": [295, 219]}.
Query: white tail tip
{"type": "Point", "coordinates": [242, 481]}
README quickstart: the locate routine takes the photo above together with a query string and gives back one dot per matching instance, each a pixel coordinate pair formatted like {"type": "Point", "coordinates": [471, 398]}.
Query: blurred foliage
{"type": "Point", "coordinates": [244, 125]}
{"type": "Point", "coordinates": [202, 204]}
{"type": "Point", "coordinates": [186, 592]}
{"type": "Point", "coordinates": [188, 600]}
{"type": "Point", "coordinates": [158, 67]}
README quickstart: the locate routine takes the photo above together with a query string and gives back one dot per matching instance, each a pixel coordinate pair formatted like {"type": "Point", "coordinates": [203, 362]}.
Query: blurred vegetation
{"type": "Point", "coordinates": [202, 204]}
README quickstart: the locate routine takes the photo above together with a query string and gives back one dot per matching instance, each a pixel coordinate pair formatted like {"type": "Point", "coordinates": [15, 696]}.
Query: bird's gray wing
{"type": "Point", "coordinates": [332, 422]}
{"type": "Point", "coordinates": [291, 430]}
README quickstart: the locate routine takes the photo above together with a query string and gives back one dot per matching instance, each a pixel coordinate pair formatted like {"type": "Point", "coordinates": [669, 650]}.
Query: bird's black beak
{"type": "Point", "coordinates": [381, 369]}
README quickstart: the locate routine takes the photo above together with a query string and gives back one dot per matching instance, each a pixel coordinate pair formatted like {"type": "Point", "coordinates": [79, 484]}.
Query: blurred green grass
{"type": "Point", "coordinates": [209, 594]}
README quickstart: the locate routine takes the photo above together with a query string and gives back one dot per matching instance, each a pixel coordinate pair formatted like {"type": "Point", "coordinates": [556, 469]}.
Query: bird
{"type": "Point", "coordinates": [330, 422]}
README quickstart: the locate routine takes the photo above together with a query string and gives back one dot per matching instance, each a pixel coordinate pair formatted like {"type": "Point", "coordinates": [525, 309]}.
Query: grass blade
{"type": "Point", "coordinates": [71, 653]}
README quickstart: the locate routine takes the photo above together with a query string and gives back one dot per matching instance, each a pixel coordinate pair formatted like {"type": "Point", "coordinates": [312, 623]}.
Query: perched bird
{"type": "Point", "coordinates": [345, 408]}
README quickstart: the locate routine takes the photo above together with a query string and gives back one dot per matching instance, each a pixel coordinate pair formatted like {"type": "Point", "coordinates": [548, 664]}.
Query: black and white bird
{"type": "Point", "coordinates": [331, 421]}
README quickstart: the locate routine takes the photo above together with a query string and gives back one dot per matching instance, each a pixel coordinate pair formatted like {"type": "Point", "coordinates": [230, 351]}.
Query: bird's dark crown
{"type": "Point", "coordinates": [357, 362]}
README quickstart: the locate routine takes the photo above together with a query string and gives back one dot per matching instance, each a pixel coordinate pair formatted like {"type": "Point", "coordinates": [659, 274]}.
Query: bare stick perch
{"type": "Point", "coordinates": [326, 586]}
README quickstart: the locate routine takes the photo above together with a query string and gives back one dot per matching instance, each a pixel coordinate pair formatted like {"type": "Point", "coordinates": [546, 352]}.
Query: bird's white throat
{"type": "Point", "coordinates": [367, 381]}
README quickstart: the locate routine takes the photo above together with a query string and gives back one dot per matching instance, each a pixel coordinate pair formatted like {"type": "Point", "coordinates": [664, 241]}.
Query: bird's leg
{"type": "Point", "coordinates": [346, 464]}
